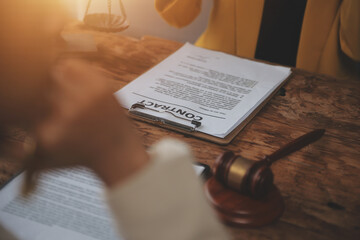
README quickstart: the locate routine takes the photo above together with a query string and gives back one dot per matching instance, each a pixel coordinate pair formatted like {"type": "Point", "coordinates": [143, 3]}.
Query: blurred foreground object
{"type": "Point", "coordinates": [110, 17]}
{"type": "Point", "coordinates": [79, 42]}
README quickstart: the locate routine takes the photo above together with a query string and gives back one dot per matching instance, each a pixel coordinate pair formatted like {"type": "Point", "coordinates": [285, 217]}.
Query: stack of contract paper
{"type": "Point", "coordinates": [218, 90]}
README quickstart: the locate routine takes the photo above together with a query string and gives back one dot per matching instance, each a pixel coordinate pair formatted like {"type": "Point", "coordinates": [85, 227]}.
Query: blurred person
{"type": "Point", "coordinates": [91, 130]}
{"type": "Point", "coordinates": [320, 36]}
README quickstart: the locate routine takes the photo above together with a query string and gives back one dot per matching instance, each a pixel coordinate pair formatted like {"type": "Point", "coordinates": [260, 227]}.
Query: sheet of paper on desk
{"type": "Point", "coordinates": [218, 89]}
{"type": "Point", "coordinates": [68, 204]}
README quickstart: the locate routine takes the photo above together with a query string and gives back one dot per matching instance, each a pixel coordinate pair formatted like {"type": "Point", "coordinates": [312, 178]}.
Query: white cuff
{"type": "Point", "coordinates": [164, 200]}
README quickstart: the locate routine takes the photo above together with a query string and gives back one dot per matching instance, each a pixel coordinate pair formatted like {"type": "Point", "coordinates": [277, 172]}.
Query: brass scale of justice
{"type": "Point", "coordinates": [242, 191]}
{"type": "Point", "coordinates": [107, 22]}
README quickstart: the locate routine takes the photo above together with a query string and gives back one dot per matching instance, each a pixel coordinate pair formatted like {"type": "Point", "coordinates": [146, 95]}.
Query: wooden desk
{"type": "Point", "coordinates": [320, 183]}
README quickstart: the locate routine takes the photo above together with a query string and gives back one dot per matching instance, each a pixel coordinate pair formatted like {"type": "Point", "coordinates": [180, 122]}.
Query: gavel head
{"type": "Point", "coordinates": [248, 177]}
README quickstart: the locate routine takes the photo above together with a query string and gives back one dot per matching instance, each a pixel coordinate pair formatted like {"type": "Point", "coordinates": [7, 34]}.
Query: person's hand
{"type": "Point", "coordinates": [86, 126]}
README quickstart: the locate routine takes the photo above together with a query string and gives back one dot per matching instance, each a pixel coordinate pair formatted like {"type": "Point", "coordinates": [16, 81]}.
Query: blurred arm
{"type": "Point", "coordinates": [153, 195]}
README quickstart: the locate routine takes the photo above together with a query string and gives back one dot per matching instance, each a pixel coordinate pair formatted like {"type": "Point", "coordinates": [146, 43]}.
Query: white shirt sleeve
{"type": "Point", "coordinates": [165, 200]}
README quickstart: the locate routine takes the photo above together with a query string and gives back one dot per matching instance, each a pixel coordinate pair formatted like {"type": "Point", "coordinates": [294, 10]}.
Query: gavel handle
{"type": "Point", "coordinates": [295, 145]}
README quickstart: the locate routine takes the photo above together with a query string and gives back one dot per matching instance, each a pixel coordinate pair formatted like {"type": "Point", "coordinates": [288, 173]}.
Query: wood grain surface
{"type": "Point", "coordinates": [320, 183]}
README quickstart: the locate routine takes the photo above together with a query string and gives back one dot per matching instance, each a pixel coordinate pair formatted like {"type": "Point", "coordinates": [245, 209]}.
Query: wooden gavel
{"type": "Point", "coordinates": [255, 178]}
{"type": "Point", "coordinates": [242, 191]}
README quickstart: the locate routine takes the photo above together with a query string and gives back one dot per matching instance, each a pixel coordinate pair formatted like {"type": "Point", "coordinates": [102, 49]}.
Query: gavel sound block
{"type": "Point", "coordinates": [242, 190]}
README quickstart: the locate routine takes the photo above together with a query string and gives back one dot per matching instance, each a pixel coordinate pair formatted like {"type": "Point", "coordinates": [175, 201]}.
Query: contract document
{"type": "Point", "coordinates": [217, 89]}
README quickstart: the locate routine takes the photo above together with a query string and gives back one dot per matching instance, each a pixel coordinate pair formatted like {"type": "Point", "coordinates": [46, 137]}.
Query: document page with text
{"type": "Point", "coordinates": [217, 89]}
{"type": "Point", "coordinates": [67, 204]}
